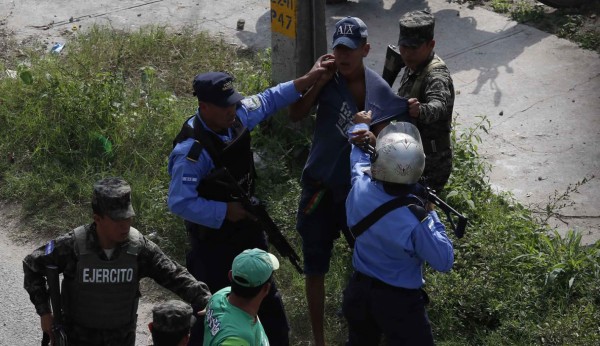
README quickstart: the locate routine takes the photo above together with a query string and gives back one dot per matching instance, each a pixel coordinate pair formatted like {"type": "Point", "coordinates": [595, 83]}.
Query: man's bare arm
{"type": "Point", "coordinates": [301, 108]}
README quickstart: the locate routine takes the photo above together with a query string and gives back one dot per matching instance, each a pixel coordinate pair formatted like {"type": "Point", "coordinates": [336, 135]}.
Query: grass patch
{"type": "Point", "coordinates": [577, 24]}
{"type": "Point", "coordinates": [112, 102]}
{"type": "Point", "coordinates": [501, 6]}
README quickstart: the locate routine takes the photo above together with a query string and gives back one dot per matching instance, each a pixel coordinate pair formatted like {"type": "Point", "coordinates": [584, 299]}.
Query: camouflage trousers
{"type": "Point", "coordinates": [438, 167]}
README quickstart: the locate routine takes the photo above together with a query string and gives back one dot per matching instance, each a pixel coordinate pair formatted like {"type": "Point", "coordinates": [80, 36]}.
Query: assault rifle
{"type": "Point", "coordinates": [257, 208]}
{"type": "Point", "coordinates": [425, 193]}
{"type": "Point", "coordinates": [59, 338]}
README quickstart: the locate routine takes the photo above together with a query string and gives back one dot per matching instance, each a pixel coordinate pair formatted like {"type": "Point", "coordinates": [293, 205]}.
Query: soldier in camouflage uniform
{"type": "Point", "coordinates": [102, 264]}
{"type": "Point", "coordinates": [427, 84]}
{"type": "Point", "coordinates": [171, 323]}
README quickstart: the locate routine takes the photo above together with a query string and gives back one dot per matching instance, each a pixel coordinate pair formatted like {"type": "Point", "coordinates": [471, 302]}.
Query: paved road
{"type": "Point", "coordinates": [18, 317]}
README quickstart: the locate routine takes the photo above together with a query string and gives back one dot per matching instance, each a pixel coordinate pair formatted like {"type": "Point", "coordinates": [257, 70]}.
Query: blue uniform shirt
{"type": "Point", "coordinates": [183, 199]}
{"type": "Point", "coordinates": [394, 248]}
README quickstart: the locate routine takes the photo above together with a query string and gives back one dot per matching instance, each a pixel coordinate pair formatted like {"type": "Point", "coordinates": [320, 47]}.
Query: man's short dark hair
{"type": "Point", "coordinates": [160, 338]}
{"type": "Point", "coordinates": [247, 292]}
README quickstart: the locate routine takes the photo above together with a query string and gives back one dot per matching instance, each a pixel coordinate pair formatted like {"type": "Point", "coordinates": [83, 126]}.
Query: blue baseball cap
{"type": "Point", "coordinates": [349, 32]}
{"type": "Point", "coordinates": [216, 88]}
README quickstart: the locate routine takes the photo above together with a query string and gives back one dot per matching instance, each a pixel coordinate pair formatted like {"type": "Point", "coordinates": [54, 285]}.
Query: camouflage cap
{"type": "Point", "coordinates": [112, 197]}
{"type": "Point", "coordinates": [172, 316]}
{"type": "Point", "coordinates": [416, 28]}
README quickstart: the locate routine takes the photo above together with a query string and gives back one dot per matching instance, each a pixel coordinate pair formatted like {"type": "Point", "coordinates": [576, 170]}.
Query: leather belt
{"type": "Point", "coordinates": [358, 276]}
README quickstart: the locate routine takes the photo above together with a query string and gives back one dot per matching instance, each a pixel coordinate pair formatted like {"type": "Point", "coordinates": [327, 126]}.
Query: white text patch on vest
{"type": "Point", "coordinates": [109, 276]}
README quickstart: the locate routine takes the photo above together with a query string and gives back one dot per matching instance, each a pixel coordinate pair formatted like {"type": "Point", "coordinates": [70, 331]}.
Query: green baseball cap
{"type": "Point", "coordinates": [253, 267]}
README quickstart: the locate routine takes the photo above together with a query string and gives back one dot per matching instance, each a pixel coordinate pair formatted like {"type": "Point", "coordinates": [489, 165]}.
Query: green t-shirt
{"type": "Point", "coordinates": [228, 325]}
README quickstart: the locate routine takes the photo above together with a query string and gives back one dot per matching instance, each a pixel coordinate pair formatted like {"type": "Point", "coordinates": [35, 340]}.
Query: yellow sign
{"type": "Point", "coordinates": [283, 17]}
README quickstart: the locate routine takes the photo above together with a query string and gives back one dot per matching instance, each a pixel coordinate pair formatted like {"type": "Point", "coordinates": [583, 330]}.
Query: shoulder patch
{"type": "Point", "coordinates": [49, 247]}
{"type": "Point", "coordinates": [251, 103]}
{"type": "Point", "coordinates": [189, 179]}
{"type": "Point", "coordinates": [419, 212]}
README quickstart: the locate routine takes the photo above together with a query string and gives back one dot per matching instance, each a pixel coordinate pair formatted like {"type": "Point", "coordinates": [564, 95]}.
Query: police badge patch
{"type": "Point", "coordinates": [251, 103]}
{"type": "Point", "coordinates": [189, 179]}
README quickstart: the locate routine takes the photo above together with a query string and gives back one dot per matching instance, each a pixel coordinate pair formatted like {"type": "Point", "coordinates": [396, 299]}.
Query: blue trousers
{"type": "Point", "coordinates": [374, 309]}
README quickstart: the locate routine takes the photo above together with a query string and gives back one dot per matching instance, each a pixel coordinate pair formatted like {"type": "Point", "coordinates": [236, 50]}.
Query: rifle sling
{"type": "Point", "coordinates": [385, 208]}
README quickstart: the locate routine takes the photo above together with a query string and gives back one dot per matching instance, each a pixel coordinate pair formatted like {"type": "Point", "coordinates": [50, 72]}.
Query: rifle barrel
{"type": "Point", "coordinates": [256, 207]}
{"type": "Point", "coordinates": [53, 278]}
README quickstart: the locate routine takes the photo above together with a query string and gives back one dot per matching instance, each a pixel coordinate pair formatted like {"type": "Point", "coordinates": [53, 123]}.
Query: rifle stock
{"type": "Point", "coordinates": [393, 64]}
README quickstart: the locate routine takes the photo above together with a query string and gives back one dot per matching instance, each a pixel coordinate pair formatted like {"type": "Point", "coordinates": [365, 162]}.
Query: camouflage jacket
{"type": "Point", "coordinates": [152, 263]}
{"type": "Point", "coordinates": [436, 97]}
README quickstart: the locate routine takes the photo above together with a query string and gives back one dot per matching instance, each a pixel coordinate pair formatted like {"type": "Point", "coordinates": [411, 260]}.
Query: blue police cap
{"type": "Point", "coordinates": [216, 88]}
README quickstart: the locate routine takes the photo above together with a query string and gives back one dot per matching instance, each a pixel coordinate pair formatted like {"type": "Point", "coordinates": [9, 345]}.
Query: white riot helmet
{"type": "Point", "coordinates": [399, 154]}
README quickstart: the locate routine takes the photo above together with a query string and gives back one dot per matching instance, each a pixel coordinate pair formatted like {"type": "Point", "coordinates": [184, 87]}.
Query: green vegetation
{"type": "Point", "coordinates": [111, 103]}
{"type": "Point", "coordinates": [525, 12]}
{"type": "Point", "coordinates": [501, 6]}
{"type": "Point", "coordinates": [570, 28]}
{"type": "Point", "coordinates": [577, 24]}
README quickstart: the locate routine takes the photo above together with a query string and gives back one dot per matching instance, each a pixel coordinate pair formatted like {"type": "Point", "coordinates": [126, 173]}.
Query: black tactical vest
{"type": "Point", "coordinates": [103, 294]}
{"type": "Point", "coordinates": [235, 155]}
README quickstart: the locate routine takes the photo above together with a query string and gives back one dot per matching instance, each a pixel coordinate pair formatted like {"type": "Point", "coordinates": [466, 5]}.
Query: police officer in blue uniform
{"type": "Point", "coordinates": [384, 295]}
{"type": "Point", "coordinates": [211, 151]}
{"type": "Point", "coordinates": [102, 264]}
